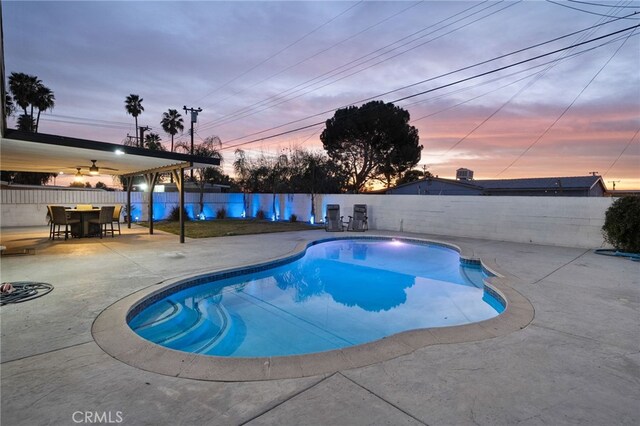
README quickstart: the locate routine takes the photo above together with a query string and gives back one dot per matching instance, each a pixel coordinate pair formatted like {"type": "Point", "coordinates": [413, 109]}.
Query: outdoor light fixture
{"type": "Point", "coordinates": [312, 220]}
{"type": "Point", "coordinates": [93, 170]}
{"type": "Point", "coordinates": [78, 177]}
{"type": "Point", "coordinates": [119, 152]}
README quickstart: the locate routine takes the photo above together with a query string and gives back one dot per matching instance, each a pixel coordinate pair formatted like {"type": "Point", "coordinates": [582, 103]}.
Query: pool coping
{"type": "Point", "coordinates": [114, 336]}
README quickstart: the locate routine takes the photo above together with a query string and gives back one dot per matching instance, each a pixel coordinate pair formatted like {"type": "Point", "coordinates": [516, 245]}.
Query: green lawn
{"type": "Point", "coordinates": [227, 227]}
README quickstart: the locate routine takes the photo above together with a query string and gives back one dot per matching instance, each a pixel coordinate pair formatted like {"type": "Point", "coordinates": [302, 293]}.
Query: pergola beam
{"type": "Point", "coordinates": [39, 152]}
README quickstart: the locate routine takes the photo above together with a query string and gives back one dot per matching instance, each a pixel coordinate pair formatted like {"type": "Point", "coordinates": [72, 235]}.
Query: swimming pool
{"type": "Point", "coordinates": [336, 294]}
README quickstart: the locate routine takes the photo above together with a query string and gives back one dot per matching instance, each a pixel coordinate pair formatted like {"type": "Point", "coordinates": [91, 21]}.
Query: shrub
{"type": "Point", "coordinates": [174, 216]}
{"type": "Point", "coordinates": [622, 224]}
{"type": "Point", "coordinates": [260, 215]}
{"type": "Point", "coordinates": [221, 213]}
{"type": "Point", "coordinates": [293, 218]}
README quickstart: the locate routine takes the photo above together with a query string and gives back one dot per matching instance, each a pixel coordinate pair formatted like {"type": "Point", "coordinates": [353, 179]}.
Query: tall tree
{"type": "Point", "coordinates": [23, 88]}
{"type": "Point", "coordinates": [313, 173]}
{"type": "Point", "coordinates": [210, 147]}
{"type": "Point", "coordinates": [372, 141]}
{"type": "Point", "coordinates": [172, 123]}
{"type": "Point", "coordinates": [43, 101]}
{"type": "Point", "coordinates": [133, 105]}
{"type": "Point", "coordinates": [153, 142]}
{"type": "Point", "coordinates": [27, 92]}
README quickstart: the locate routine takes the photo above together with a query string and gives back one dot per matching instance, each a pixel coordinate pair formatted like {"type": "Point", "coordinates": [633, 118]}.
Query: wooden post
{"type": "Point", "coordinates": [178, 176]}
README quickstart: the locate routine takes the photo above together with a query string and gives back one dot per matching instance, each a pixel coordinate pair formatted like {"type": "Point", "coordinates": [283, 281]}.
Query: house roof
{"type": "Point", "coordinates": [544, 183]}
{"type": "Point", "coordinates": [466, 184]}
{"type": "Point", "coordinates": [39, 152]}
{"type": "Point", "coordinates": [571, 182]}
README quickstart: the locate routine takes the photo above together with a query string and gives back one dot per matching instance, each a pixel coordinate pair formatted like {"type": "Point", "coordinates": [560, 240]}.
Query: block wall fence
{"type": "Point", "coordinates": [559, 221]}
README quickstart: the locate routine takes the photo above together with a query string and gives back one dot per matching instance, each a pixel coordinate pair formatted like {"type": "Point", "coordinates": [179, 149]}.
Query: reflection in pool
{"type": "Point", "coordinates": [340, 293]}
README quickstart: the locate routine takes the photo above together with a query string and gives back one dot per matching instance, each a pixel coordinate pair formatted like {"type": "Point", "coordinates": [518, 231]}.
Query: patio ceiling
{"type": "Point", "coordinates": [38, 152]}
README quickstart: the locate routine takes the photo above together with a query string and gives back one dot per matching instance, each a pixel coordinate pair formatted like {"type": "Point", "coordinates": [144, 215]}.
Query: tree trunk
{"type": "Point", "coordinates": [37, 122]}
{"type": "Point", "coordinates": [137, 134]}
{"type": "Point", "coordinates": [171, 151]}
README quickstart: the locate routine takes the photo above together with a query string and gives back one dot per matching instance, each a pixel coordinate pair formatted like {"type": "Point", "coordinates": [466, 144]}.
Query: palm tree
{"type": "Point", "coordinates": [23, 87]}
{"type": "Point", "coordinates": [133, 105]}
{"type": "Point", "coordinates": [152, 142]}
{"type": "Point", "coordinates": [44, 100]}
{"type": "Point", "coordinates": [172, 123]}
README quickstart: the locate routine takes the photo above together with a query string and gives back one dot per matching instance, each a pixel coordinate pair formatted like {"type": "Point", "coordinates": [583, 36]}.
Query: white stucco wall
{"type": "Point", "coordinates": [561, 221]}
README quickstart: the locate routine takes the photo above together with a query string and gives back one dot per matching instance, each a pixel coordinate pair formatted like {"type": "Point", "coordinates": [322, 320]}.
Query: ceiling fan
{"type": "Point", "coordinates": [93, 169]}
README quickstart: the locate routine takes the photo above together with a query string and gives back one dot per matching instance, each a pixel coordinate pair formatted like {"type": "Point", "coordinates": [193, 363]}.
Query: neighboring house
{"type": "Point", "coordinates": [576, 186]}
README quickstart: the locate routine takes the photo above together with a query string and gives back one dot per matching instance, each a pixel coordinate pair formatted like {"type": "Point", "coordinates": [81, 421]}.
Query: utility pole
{"type": "Point", "coordinates": [194, 118]}
{"type": "Point", "coordinates": [614, 184]}
{"type": "Point", "coordinates": [142, 130]}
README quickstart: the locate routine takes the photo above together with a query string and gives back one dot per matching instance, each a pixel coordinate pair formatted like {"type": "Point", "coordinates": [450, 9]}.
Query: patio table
{"type": "Point", "coordinates": [82, 229]}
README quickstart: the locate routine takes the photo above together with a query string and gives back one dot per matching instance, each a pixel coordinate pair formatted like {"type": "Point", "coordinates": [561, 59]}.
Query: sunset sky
{"type": "Point", "coordinates": [253, 66]}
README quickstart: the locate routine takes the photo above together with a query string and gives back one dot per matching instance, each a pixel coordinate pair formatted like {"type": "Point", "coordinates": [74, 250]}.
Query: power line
{"type": "Point", "coordinates": [603, 5]}
{"type": "Point", "coordinates": [435, 88]}
{"type": "Point", "coordinates": [86, 119]}
{"type": "Point", "coordinates": [445, 85]}
{"type": "Point", "coordinates": [318, 53]}
{"type": "Point", "coordinates": [623, 151]}
{"type": "Point", "coordinates": [429, 79]}
{"type": "Point", "coordinates": [590, 12]}
{"type": "Point", "coordinates": [280, 51]}
{"type": "Point", "coordinates": [537, 77]}
{"type": "Point", "coordinates": [567, 108]}
{"type": "Point", "coordinates": [245, 112]}
{"type": "Point", "coordinates": [505, 85]}
{"type": "Point", "coordinates": [106, 126]}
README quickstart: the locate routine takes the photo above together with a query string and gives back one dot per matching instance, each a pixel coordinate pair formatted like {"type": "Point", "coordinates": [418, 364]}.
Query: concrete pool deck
{"type": "Point", "coordinates": [578, 361]}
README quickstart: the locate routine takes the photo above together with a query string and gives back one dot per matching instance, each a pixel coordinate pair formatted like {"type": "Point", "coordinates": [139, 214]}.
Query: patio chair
{"type": "Point", "coordinates": [116, 216]}
{"type": "Point", "coordinates": [105, 218]}
{"type": "Point", "coordinates": [358, 222]}
{"type": "Point", "coordinates": [59, 218]}
{"type": "Point", "coordinates": [50, 221]}
{"type": "Point", "coordinates": [333, 220]}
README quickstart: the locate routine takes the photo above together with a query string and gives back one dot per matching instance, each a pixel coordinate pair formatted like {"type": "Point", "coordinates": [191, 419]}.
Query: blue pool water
{"type": "Point", "coordinates": [340, 293]}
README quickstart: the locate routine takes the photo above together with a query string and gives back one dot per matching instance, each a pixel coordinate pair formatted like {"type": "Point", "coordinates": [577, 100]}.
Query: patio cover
{"type": "Point", "coordinates": [39, 152]}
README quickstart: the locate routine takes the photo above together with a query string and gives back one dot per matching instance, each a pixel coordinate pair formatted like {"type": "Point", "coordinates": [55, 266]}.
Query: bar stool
{"type": "Point", "coordinates": [105, 218]}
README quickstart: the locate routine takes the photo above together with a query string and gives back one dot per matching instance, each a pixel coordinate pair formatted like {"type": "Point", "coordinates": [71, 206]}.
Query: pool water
{"type": "Point", "coordinates": [340, 293]}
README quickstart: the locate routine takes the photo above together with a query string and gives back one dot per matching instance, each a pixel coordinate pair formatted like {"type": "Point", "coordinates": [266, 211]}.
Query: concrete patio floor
{"type": "Point", "coordinates": [578, 362]}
